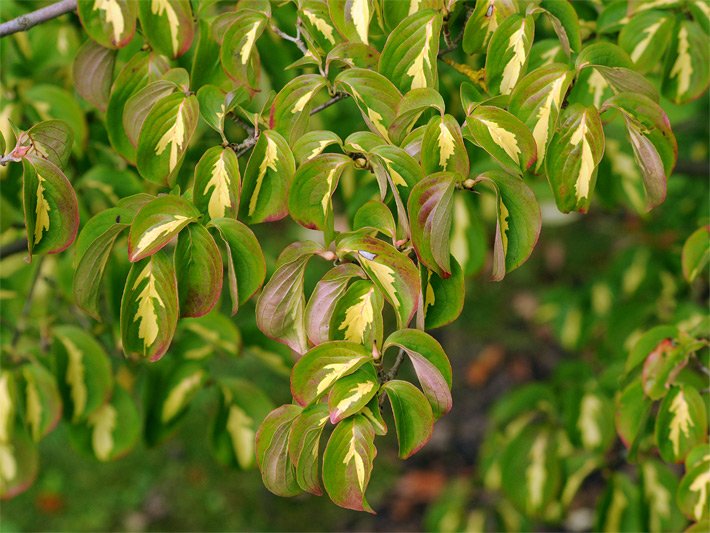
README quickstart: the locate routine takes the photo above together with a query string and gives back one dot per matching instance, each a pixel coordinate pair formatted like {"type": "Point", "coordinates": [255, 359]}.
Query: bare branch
{"type": "Point", "coordinates": [28, 20]}
{"type": "Point", "coordinates": [337, 98]}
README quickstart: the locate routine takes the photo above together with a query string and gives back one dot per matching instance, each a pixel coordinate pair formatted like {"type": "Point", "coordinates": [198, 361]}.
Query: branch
{"type": "Point", "coordinates": [337, 98]}
{"type": "Point", "coordinates": [26, 21]}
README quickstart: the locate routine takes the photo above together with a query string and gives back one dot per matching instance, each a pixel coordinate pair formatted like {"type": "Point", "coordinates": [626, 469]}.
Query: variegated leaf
{"type": "Point", "coordinates": [304, 446]}
{"type": "Point", "coordinates": [217, 183]}
{"type": "Point", "coordinates": [313, 143]}
{"type": "Point", "coordinates": [484, 20]}
{"type": "Point", "coordinates": [686, 72]}
{"type": "Point", "coordinates": [43, 403]}
{"type": "Point", "coordinates": [352, 18]}
{"type": "Point", "coordinates": [168, 25]}
{"type": "Point", "coordinates": [238, 54]}
{"type": "Point", "coordinates": [353, 392]}
{"type": "Point", "coordinates": [681, 423]}
{"type": "Point", "coordinates": [507, 55]}
{"type": "Point", "coordinates": [443, 148]}
{"type": "Point", "coordinates": [199, 271]}
{"type": "Point", "coordinates": [357, 316]}
{"type": "Point", "coordinates": [290, 109]}
{"type": "Point", "coordinates": [111, 23]}
{"type": "Point", "coordinates": [277, 471]}
{"type": "Point", "coordinates": [646, 38]}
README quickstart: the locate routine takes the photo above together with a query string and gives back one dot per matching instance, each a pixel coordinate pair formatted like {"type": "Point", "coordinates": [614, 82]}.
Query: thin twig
{"type": "Point", "coordinates": [28, 20]}
{"type": "Point", "coordinates": [392, 372]}
{"type": "Point", "coordinates": [452, 44]}
{"type": "Point", "coordinates": [337, 98]}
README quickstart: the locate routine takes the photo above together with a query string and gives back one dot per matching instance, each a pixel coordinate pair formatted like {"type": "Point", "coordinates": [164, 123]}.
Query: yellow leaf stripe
{"type": "Point", "coordinates": [597, 84]}
{"type": "Point", "coordinates": [220, 199]}
{"type": "Point", "coordinates": [103, 421]}
{"type": "Point", "coordinates": [113, 15]}
{"type": "Point", "coordinates": [8, 465]}
{"type": "Point", "coordinates": [416, 70]}
{"type": "Point", "coordinates": [360, 14]}
{"type": "Point", "coordinates": [178, 394]}
{"type": "Point", "coordinates": [657, 495]}
{"type": "Point", "coordinates": [321, 25]}
{"type": "Point", "coordinates": [6, 407]}
{"type": "Point", "coordinates": [385, 275]}
{"type": "Point", "coordinates": [644, 42]}
{"type": "Point", "coordinates": [542, 126]}
{"type": "Point", "coordinates": [586, 167]}
{"type": "Point", "coordinates": [503, 138]}
{"type": "Point", "coordinates": [146, 313]}
{"type": "Point", "coordinates": [271, 156]}
{"type": "Point", "coordinates": [75, 376]}
{"type": "Point", "coordinates": [513, 68]}
{"type": "Point", "coordinates": [353, 455]}
{"type": "Point", "coordinates": [447, 145]}
{"type": "Point", "coordinates": [535, 474]}
{"type": "Point", "coordinates": [175, 137]}
{"type": "Point", "coordinates": [160, 7]}
{"type": "Point", "coordinates": [587, 423]}
{"type": "Point", "coordinates": [683, 66]}
{"type": "Point", "coordinates": [302, 101]}
{"type": "Point", "coordinates": [42, 210]}
{"type": "Point", "coordinates": [326, 196]}
{"type": "Point", "coordinates": [241, 430]}
{"type": "Point", "coordinates": [245, 52]}
{"type": "Point", "coordinates": [333, 372]}
{"type": "Point", "coordinates": [681, 421]}
{"type": "Point", "coordinates": [354, 394]}
{"type": "Point", "coordinates": [700, 485]}
{"type": "Point", "coordinates": [358, 318]}
{"type": "Point", "coordinates": [150, 236]}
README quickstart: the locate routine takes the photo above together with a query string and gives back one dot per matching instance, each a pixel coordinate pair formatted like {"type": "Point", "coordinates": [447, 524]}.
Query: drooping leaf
{"type": "Point", "coordinates": [430, 364]}
{"type": "Point", "coordinates": [291, 107]}
{"type": "Point", "coordinates": [157, 223]}
{"type": "Point", "coordinates": [347, 463]}
{"type": "Point", "coordinates": [573, 156]}
{"type": "Point", "coordinates": [277, 469]}
{"type": "Point", "coordinates": [315, 372]}
{"type": "Point", "coordinates": [21, 458]}
{"type": "Point", "coordinates": [246, 266]}
{"type": "Point", "coordinates": [43, 403]}
{"type": "Point", "coordinates": [149, 307]}
{"type": "Point", "coordinates": [83, 372]}
{"type": "Point", "coordinates": [352, 19]}
{"type": "Point", "coordinates": [139, 105]}
{"type": "Point", "coordinates": [375, 215]}
{"type": "Point", "coordinates": [50, 205]}
{"type": "Point", "coordinates": [310, 196]}
{"type": "Point", "coordinates": [430, 210]}
{"type": "Point", "coordinates": [507, 55]}
{"type": "Point", "coordinates": [215, 104]}
{"type": "Point", "coordinates": [351, 393]}
{"type": "Point", "coordinates": [111, 23]}
{"type": "Point", "coordinates": [645, 37]}
{"type": "Point", "coordinates": [199, 271]}
{"type": "Point", "coordinates": [238, 54]}
{"type": "Point", "coordinates": [167, 25]}
{"type": "Point", "coordinates": [686, 73]}
{"type": "Point", "coordinates": [325, 297]}
{"type": "Point", "coordinates": [632, 408]}
{"type": "Point", "coordinates": [409, 58]}
{"type": "Point", "coordinates": [503, 136]}
{"type": "Point", "coordinates": [165, 136]}
{"type": "Point", "coordinates": [304, 446]}
{"type": "Point", "coordinates": [681, 423]}
{"type": "Point", "coordinates": [217, 183]}
{"type": "Point", "coordinates": [280, 308]}
{"type": "Point", "coordinates": [411, 107]}
{"type": "Point", "coordinates": [443, 297]}
{"type": "Point", "coordinates": [484, 20]}
{"type": "Point", "coordinates": [392, 271]}
{"type": "Point", "coordinates": [267, 179]}
{"type": "Point", "coordinates": [694, 491]}
{"type": "Point", "coordinates": [93, 73]}
{"type": "Point", "coordinates": [413, 416]}
{"type": "Point", "coordinates": [565, 22]}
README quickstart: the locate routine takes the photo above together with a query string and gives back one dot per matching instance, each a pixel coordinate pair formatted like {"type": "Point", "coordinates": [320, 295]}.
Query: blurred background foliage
{"type": "Point", "coordinates": [569, 316]}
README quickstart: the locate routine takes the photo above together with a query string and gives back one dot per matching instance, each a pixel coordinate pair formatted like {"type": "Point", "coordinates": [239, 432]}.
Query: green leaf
{"type": "Point", "coordinates": [652, 140]}
{"type": "Point", "coordinates": [686, 73]}
{"type": "Point", "coordinates": [645, 37]}
{"type": "Point", "coordinates": [199, 271]}
{"type": "Point", "coordinates": [484, 19]}
{"type": "Point", "coordinates": [149, 307]}
{"type": "Point", "coordinates": [318, 26]}
{"type": "Point", "coordinates": [357, 315]}
{"type": "Point", "coordinates": [111, 24]}
{"type": "Point", "coordinates": [157, 223]}
{"type": "Point", "coordinates": [507, 55]}
{"type": "Point", "coordinates": [632, 409]}
{"type": "Point", "coordinates": [619, 508]}
{"type": "Point", "coordinates": [660, 485]}
{"type": "Point", "coordinates": [591, 421]}
{"type": "Point", "coordinates": [647, 343]}
{"type": "Point", "coordinates": [518, 222]}
{"type": "Point", "coordinates": [430, 210]}
{"type": "Point", "coordinates": [352, 19]}
{"type": "Point", "coordinates": [347, 463]}
{"type": "Point", "coordinates": [93, 249]}
{"type": "Point", "coordinates": [392, 271]}
{"type": "Point", "coordinates": [93, 73]}
{"type": "Point", "coordinates": [313, 185]}
{"type": "Point", "coordinates": [43, 403]}
{"type": "Point", "coordinates": [212, 334]}
{"type": "Point", "coordinates": [375, 95]}
{"type": "Point", "coordinates": [267, 179]}
{"type": "Point", "coordinates": [537, 100]}
{"type": "Point", "coordinates": [503, 136]}
{"type": "Point", "coordinates": [681, 423]}
{"type": "Point", "coordinates": [215, 104]}
{"type": "Point", "coordinates": [430, 364]}
{"type": "Point", "coordinates": [322, 366]}
{"type": "Point", "coordinates": [565, 22]}
{"type": "Point", "coordinates": [411, 107]}
{"type": "Point", "coordinates": [469, 244]}
{"type": "Point", "coordinates": [83, 372]}
{"type": "Point", "coordinates": [53, 102]}
{"type": "Point", "coordinates": [165, 136]}
{"type": "Point", "coordinates": [409, 58]}
{"type": "Point", "coordinates": [693, 491]}
{"type": "Point", "coordinates": [394, 166]}
{"type": "Point", "coordinates": [246, 266]}
{"type": "Point", "coordinates": [50, 139]}
{"type": "Point", "coordinates": [353, 392]}
{"type": "Point", "coordinates": [325, 297]}
{"type": "Point", "coordinates": [280, 308]}
{"type": "Point", "coordinates": [443, 148]}
{"type": "Point", "coordinates": [8, 391]}
{"type": "Point", "coordinates": [375, 215]}
{"type": "Point", "coordinates": [290, 109]}
{"type": "Point", "coordinates": [217, 183]}
{"type": "Point", "coordinates": [413, 416]}
{"type": "Point", "coordinates": [50, 205]}
{"type": "Point", "coordinates": [22, 454]}
{"type": "Point", "coordinates": [304, 446]}
{"type": "Point", "coordinates": [139, 105]}
{"type": "Point", "coordinates": [167, 25]}
{"type": "Point", "coordinates": [238, 55]}
{"type": "Point", "coordinates": [277, 470]}
{"type": "Point", "coordinates": [443, 297]}
{"type": "Point", "coordinates": [573, 156]}
{"type": "Point", "coordinates": [140, 69]}
{"type": "Point", "coordinates": [312, 143]}
{"type": "Point", "coordinates": [112, 430]}
{"type": "Point", "coordinates": [696, 253]}
{"type": "Point", "coordinates": [242, 407]}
